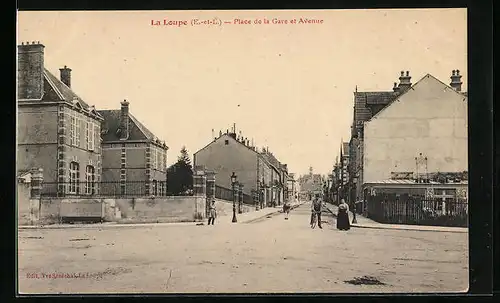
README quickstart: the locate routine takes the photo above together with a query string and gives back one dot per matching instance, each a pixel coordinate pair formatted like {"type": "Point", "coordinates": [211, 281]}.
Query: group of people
{"type": "Point", "coordinates": [342, 214]}
{"type": "Point", "coordinates": [316, 209]}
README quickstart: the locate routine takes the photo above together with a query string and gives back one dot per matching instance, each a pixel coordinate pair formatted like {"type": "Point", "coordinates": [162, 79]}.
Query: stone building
{"type": "Point", "coordinates": [310, 184]}
{"type": "Point", "coordinates": [134, 160]}
{"type": "Point", "coordinates": [257, 170]}
{"type": "Point", "coordinates": [57, 130]}
{"type": "Point", "coordinates": [423, 131]}
{"type": "Point", "coordinates": [366, 105]}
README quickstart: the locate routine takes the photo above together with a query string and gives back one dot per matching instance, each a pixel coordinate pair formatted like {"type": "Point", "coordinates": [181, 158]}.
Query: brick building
{"type": "Point", "coordinates": [134, 160]}
{"type": "Point", "coordinates": [57, 130]}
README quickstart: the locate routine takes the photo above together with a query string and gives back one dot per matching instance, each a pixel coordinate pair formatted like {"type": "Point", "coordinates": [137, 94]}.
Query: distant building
{"type": "Point", "coordinates": [134, 160]}
{"type": "Point", "coordinates": [310, 184]}
{"type": "Point", "coordinates": [257, 171]}
{"type": "Point", "coordinates": [57, 130]}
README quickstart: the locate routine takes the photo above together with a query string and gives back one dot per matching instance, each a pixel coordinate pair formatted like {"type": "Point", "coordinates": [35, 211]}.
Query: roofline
{"type": "Point", "coordinates": [59, 94]}
{"type": "Point", "coordinates": [412, 88]}
{"type": "Point", "coordinates": [224, 135]}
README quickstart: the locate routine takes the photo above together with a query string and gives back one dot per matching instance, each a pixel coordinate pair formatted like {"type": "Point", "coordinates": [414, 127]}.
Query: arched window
{"type": "Point", "coordinates": [74, 178]}
{"type": "Point", "coordinates": [90, 180]}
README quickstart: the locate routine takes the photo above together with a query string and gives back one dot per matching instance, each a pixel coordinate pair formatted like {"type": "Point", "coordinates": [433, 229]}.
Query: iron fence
{"type": "Point", "coordinates": [104, 189]}
{"type": "Point", "coordinates": [405, 209]}
{"type": "Point", "coordinates": [224, 193]}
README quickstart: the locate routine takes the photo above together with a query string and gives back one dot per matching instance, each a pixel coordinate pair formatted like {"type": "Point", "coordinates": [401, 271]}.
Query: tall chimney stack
{"type": "Point", "coordinates": [66, 75]}
{"type": "Point", "coordinates": [456, 82]}
{"type": "Point", "coordinates": [404, 81]}
{"type": "Point", "coordinates": [124, 123]}
{"type": "Point", "coordinates": [30, 69]}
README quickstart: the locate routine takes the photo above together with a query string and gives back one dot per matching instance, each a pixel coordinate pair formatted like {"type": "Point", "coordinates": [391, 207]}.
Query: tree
{"type": "Point", "coordinates": [180, 175]}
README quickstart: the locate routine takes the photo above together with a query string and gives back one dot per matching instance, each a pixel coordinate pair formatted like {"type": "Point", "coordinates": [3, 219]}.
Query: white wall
{"type": "Point", "coordinates": [430, 119]}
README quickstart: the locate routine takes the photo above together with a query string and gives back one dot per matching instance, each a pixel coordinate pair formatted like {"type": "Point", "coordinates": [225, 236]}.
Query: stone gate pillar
{"type": "Point", "coordinates": [210, 189]}
{"type": "Point", "coordinates": [199, 192]}
{"type": "Point", "coordinates": [35, 194]}
{"type": "Point", "coordinates": [36, 183]}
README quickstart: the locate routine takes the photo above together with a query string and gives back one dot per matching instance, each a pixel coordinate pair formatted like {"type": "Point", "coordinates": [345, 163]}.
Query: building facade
{"type": "Point", "coordinates": [422, 132]}
{"type": "Point", "coordinates": [310, 185]}
{"type": "Point", "coordinates": [257, 170]}
{"type": "Point", "coordinates": [57, 130]}
{"type": "Point", "coordinates": [134, 160]}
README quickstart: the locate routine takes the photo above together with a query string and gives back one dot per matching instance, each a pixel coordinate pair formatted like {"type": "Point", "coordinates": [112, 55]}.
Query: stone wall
{"type": "Point", "coordinates": [225, 208]}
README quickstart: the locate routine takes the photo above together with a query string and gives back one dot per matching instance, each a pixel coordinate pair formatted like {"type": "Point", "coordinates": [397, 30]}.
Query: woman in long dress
{"type": "Point", "coordinates": [343, 216]}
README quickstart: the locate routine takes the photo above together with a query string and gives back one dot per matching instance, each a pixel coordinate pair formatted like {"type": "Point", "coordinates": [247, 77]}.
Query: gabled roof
{"type": "Point", "coordinates": [111, 124]}
{"type": "Point", "coordinates": [463, 94]}
{"type": "Point", "coordinates": [56, 89]}
{"type": "Point", "coordinates": [368, 104]}
{"type": "Point", "coordinates": [226, 136]}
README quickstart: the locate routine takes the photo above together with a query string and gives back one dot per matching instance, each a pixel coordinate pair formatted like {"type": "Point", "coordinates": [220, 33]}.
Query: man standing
{"type": "Point", "coordinates": [316, 209]}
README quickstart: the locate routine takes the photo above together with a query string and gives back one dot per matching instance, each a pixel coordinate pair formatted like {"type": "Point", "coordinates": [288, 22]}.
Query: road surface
{"type": "Point", "coordinates": [269, 255]}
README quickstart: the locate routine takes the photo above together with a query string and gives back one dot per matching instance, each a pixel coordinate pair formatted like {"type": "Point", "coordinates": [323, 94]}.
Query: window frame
{"type": "Point", "coordinates": [74, 178]}
{"type": "Point", "coordinates": [90, 178]}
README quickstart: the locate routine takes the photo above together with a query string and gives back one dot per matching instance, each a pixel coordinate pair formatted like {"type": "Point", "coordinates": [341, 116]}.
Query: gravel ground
{"type": "Point", "coordinates": [270, 255]}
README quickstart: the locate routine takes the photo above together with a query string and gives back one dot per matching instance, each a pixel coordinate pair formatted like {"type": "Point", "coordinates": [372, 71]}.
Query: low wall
{"type": "Point", "coordinates": [225, 208]}
{"type": "Point", "coordinates": [130, 210]}
{"type": "Point", "coordinates": [164, 209]}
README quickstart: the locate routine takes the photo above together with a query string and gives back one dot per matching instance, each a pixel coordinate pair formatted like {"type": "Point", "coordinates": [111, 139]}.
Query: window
{"type": "Point", "coordinates": [226, 142]}
{"type": "Point", "coordinates": [89, 180]}
{"type": "Point", "coordinates": [74, 177]}
{"type": "Point", "coordinates": [78, 123]}
{"type": "Point", "coordinates": [72, 130]}
{"type": "Point", "coordinates": [157, 156]}
{"type": "Point", "coordinates": [90, 135]}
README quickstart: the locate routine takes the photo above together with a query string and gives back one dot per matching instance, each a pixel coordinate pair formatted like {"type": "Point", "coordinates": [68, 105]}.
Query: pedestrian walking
{"type": "Point", "coordinates": [286, 209]}
{"type": "Point", "coordinates": [212, 213]}
{"type": "Point", "coordinates": [316, 208]}
{"type": "Point", "coordinates": [343, 216]}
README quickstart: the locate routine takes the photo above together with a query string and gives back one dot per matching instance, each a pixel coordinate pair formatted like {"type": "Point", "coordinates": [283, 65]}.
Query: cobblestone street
{"type": "Point", "coordinates": [267, 255]}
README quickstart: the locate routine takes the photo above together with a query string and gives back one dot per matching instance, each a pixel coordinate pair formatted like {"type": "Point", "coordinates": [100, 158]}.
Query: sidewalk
{"type": "Point", "coordinates": [242, 218]}
{"type": "Point", "coordinates": [363, 222]}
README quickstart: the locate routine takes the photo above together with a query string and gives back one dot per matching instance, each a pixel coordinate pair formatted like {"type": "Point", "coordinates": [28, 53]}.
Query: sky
{"type": "Point", "coordinates": [289, 87]}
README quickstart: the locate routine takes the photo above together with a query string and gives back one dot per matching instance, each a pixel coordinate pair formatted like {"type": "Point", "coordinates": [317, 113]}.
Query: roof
{"type": "Point", "coordinates": [413, 182]}
{"type": "Point", "coordinates": [464, 94]}
{"type": "Point", "coordinates": [367, 104]}
{"type": "Point", "coordinates": [56, 90]}
{"type": "Point", "coordinates": [111, 124]}
{"type": "Point", "coordinates": [226, 136]}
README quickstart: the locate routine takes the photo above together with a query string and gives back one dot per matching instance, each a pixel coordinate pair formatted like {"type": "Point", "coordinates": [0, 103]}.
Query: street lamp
{"type": "Point", "coordinates": [240, 197]}
{"type": "Point", "coordinates": [233, 184]}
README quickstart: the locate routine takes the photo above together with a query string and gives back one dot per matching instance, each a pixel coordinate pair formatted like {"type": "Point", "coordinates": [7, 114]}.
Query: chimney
{"type": "Point", "coordinates": [124, 123]}
{"type": "Point", "coordinates": [404, 81]}
{"type": "Point", "coordinates": [30, 70]}
{"type": "Point", "coordinates": [456, 83]}
{"type": "Point", "coordinates": [395, 88]}
{"type": "Point", "coordinates": [66, 75]}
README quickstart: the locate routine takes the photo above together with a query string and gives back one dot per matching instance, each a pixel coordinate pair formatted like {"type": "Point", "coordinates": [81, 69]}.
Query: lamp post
{"type": "Point", "coordinates": [354, 221]}
{"type": "Point", "coordinates": [233, 184]}
{"type": "Point", "coordinates": [240, 197]}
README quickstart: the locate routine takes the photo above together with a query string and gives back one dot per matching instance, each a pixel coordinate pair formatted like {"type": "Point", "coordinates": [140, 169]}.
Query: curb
{"type": "Point", "coordinates": [465, 231]}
